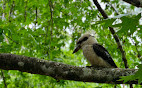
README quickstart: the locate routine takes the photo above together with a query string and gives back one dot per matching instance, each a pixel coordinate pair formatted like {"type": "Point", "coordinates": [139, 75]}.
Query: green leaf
{"type": "Point", "coordinates": [129, 23]}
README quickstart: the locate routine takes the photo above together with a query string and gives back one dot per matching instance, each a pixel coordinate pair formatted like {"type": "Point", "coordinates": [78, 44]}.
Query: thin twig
{"type": "Point", "coordinates": [36, 18]}
{"type": "Point", "coordinates": [4, 80]}
{"type": "Point", "coordinates": [25, 14]}
{"type": "Point", "coordinates": [51, 21]}
{"type": "Point", "coordinates": [113, 8]}
{"type": "Point", "coordinates": [97, 14]}
{"type": "Point", "coordinates": [113, 33]}
{"type": "Point", "coordinates": [3, 8]}
{"type": "Point", "coordinates": [51, 12]}
{"type": "Point", "coordinates": [10, 38]}
{"type": "Point", "coordinates": [10, 13]}
{"type": "Point", "coordinates": [136, 46]}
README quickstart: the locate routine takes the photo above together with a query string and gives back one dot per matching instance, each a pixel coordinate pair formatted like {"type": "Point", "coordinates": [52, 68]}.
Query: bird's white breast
{"type": "Point", "coordinates": [91, 56]}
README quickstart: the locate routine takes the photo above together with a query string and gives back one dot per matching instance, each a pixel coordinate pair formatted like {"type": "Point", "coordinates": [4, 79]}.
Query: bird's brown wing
{"type": "Point", "coordinates": [104, 54]}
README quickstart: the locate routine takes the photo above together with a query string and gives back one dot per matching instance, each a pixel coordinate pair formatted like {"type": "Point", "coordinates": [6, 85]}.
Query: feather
{"type": "Point", "coordinates": [104, 54]}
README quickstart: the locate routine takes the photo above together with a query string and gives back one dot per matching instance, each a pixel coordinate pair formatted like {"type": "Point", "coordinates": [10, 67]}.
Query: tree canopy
{"type": "Point", "coordinates": [48, 29]}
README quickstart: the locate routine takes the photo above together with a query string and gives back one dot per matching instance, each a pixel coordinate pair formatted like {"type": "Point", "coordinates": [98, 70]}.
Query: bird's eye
{"type": "Point", "coordinates": [84, 39]}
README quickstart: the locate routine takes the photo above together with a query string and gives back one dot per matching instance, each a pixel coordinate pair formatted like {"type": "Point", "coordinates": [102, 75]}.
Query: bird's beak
{"type": "Point", "coordinates": [77, 48]}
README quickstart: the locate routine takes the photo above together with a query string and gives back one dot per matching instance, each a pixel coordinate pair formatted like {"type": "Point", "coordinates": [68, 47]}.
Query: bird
{"type": "Point", "coordinates": [95, 53]}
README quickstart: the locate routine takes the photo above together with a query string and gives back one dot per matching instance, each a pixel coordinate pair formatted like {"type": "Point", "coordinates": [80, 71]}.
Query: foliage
{"type": "Point", "coordinates": [48, 29]}
{"type": "Point", "coordinates": [136, 76]}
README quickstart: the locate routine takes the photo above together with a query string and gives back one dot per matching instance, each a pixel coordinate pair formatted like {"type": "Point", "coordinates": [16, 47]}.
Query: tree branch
{"type": "Point", "coordinates": [36, 15]}
{"type": "Point", "coordinates": [138, 52]}
{"type": "Point", "coordinates": [63, 71]}
{"type": "Point", "coordinates": [3, 77]}
{"type": "Point", "coordinates": [25, 13]}
{"type": "Point", "coordinates": [113, 8]}
{"type": "Point", "coordinates": [137, 3]}
{"type": "Point", "coordinates": [113, 33]}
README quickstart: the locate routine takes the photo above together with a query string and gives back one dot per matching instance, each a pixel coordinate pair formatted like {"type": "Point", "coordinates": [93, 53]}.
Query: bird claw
{"type": "Point", "coordinates": [94, 67]}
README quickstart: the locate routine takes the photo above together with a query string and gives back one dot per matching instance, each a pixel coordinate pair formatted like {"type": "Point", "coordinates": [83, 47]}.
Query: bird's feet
{"type": "Point", "coordinates": [95, 67]}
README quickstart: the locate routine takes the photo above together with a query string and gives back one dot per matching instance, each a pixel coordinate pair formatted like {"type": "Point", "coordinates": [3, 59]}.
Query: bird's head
{"type": "Point", "coordinates": [86, 39]}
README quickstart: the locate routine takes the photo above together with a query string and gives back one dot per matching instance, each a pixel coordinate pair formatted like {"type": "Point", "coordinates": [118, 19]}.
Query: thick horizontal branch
{"type": "Point", "coordinates": [63, 71]}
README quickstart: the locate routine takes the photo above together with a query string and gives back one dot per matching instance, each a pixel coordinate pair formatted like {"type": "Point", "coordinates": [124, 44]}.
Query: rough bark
{"type": "Point", "coordinates": [137, 3]}
{"type": "Point", "coordinates": [63, 71]}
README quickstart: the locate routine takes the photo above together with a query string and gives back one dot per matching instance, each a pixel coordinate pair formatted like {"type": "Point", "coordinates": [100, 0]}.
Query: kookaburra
{"type": "Point", "coordinates": [96, 54]}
